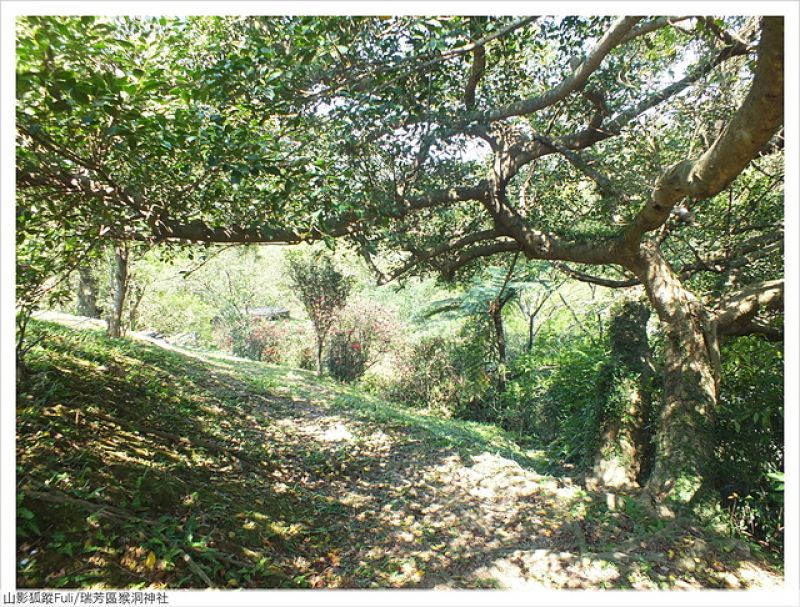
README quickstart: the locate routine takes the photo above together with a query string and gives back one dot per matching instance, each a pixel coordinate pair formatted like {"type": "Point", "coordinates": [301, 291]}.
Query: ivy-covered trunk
{"type": "Point", "coordinates": [120, 281]}
{"type": "Point", "coordinates": [622, 455]}
{"type": "Point", "coordinates": [683, 445]}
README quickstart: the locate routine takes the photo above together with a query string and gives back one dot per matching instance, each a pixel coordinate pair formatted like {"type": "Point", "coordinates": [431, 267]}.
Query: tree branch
{"type": "Point", "coordinates": [476, 72]}
{"type": "Point", "coordinates": [447, 247]}
{"type": "Point", "coordinates": [754, 123]}
{"type": "Point", "coordinates": [597, 280]}
{"type": "Point", "coordinates": [754, 327]}
{"type": "Point", "coordinates": [575, 81]}
{"type": "Point", "coordinates": [477, 253]}
{"type": "Point", "coordinates": [738, 310]}
{"type": "Point", "coordinates": [651, 26]}
{"type": "Point", "coordinates": [364, 81]}
{"type": "Point", "coordinates": [604, 183]}
{"type": "Point", "coordinates": [596, 131]}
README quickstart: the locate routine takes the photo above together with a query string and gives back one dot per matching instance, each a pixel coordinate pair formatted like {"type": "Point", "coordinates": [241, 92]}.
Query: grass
{"type": "Point", "coordinates": [143, 467]}
{"type": "Point", "coordinates": [465, 437]}
{"type": "Point", "coordinates": [141, 437]}
{"type": "Point", "coordinates": [97, 422]}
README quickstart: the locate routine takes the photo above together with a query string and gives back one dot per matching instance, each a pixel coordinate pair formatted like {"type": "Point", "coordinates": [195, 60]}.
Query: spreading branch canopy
{"type": "Point", "coordinates": [444, 140]}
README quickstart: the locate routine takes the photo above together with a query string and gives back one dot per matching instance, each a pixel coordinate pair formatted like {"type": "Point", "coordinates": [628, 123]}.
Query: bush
{"type": "Point", "coordinates": [360, 335]}
{"type": "Point", "coordinates": [428, 377]}
{"type": "Point", "coordinates": [749, 438]}
{"type": "Point", "coordinates": [346, 359]}
{"type": "Point", "coordinates": [553, 395]}
{"type": "Point", "coordinates": [447, 376]}
{"type": "Point", "coordinates": [262, 340]}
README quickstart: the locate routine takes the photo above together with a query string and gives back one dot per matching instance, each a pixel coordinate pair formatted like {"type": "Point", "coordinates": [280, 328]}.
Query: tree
{"type": "Point", "coordinates": [590, 138]}
{"type": "Point", "coordinates": [87, 293]}
{"type": "Point", "coordinates": [623, 453]}
{"type": "Point", "coordinates": [323, 291]}
{"type": "Point", "coordinates": [484, 303]}
{"type": "Point", "coordinates": [119, 282]}
{"type": "Point", "coordinates": [532, 299]}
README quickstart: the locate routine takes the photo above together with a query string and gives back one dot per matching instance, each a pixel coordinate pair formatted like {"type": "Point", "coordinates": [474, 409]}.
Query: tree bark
{"type": "Point", "coordinates": [87, 293]}
{"type": "Point", "coordinates": [320, 344]}
{"type": "Point", "coordinates": [623, 454]}
{"type": "Point", "coordinates": [133, 312]}
{"type": "Point", "coordinates": [496, 314]}
{"type": "Point", "coordinates": [120, 282]}
{"type": "Point", "coordinates": [683, 449]}
{"type": "Point", "coordinates": [529, 344]}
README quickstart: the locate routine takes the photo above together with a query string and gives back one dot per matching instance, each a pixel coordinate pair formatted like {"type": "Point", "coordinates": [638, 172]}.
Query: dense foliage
{"type": "Point", "coordinates": [323, 290]}
{"type": "Point", "coordinates": [516, 159]}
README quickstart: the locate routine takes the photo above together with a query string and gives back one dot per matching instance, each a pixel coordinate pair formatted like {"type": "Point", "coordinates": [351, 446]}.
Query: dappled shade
{"type": "Point", "coordinates": [192, 471]}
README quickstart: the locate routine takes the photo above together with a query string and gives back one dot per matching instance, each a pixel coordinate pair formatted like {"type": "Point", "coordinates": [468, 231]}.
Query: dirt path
{"type": "Point", "coordinates": [355, 493]}
{"type": "Point", "coordinates": [414, 511]}
{"type": "Point", "coordinates": [427, 517]}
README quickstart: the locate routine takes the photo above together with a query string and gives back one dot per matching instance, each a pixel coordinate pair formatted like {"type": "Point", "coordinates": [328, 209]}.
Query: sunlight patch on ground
{"type": "Point", "coordinates": [548, 569]}
{"type": "Point", "coordinates": [324, 428]}
{"type": "Point", "coordinates": [335, 433]}
{"type": "Point", "coordinates": [753, 575]}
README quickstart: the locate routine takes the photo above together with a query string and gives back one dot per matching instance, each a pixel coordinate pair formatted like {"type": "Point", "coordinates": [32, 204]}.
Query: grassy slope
{"type": "Point", "coordinates": [143, 467]}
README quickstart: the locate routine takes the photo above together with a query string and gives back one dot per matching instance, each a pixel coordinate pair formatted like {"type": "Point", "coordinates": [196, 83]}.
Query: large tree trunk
{"type": "Point", "coordinates": [684, 448]}
{"type": "Point", "coordinates": [120, 282]}
{"type": "Point", "coordinates": [623, 455]}
{"type": "Point", "coordinates": [87, 293]}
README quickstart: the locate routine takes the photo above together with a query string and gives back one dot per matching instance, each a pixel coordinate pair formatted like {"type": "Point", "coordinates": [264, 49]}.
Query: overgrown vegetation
{"type": "Point", "coordinates": [552, 231]}
{"type": "Point", "coordinates": [565, 392]}
{"type": "Point", "coordinates": [241, 474]}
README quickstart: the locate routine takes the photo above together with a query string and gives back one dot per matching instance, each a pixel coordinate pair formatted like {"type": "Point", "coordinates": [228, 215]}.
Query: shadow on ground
{"type": "Point", "coordinates": [143, 467]}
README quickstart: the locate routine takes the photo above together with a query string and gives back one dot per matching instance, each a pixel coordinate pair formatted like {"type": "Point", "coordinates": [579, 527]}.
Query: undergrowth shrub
{"type": "Point", "coordinates": [427, 375]}
{"type": "Point", "coordinates": [258, 339]}
{"type": "Point", "coordinates": [553, 396]}
{"type": "Point", "coordinates": [749, 439]}
{"type": "Point", "coordinates": [445, 375]}
{"type": "Point", "coordinates": [362, 332]}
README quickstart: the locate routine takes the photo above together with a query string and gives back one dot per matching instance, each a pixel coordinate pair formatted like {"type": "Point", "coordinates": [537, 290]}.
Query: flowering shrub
{"type": "Point", "coordinates": [269, 340]}
{"type": "Point", "coordinates": [360, 335]}
{"type": "Point", "coordinates": [262, 340]}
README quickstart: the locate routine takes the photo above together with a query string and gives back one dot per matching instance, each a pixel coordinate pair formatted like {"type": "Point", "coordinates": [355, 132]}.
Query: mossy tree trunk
{"type": "Point", "coordinates": [684, 447]}
{"type": "Point", "coordinates": [623, 453]}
